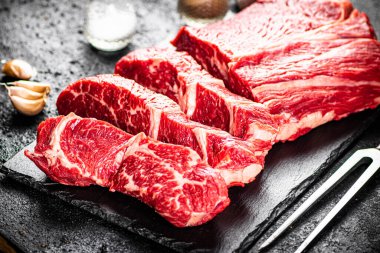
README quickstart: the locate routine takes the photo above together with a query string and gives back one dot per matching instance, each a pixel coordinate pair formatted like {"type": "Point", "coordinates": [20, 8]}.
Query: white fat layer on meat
{"type": "Point", "coordinates": [190, 99]}
{"type": "Point", "coordinates": [247, 175]}
{"type": "Point", "coordinates": [155, 120]}
{"type": "Point", "coordinates": [174, 89]}
{"type": "Point", "coordinates": [201, 135]}
{"type": "Point", "coordinates": [260, 153]}
{"type": "Point", "coordinates": [55, 153]}
{"type": "Point", "coordinates": [256, 133]}
{"type": "Point", "coordinates": [231, 111]}
{"type": "Point", "coordinates": [318, 81]}
{"type": "Point", "coordinates": [200, 60]}
{"type": "Point", "coordinates": [133, 144]}
{"type": "Point", "coordinates": [219, 65]}
{"type": "Point", "coordinates": [195, 218]}
{"type": "Point", "coordinates": [309, 121]}
{"type": "Point", "coordinates": [182, 100]}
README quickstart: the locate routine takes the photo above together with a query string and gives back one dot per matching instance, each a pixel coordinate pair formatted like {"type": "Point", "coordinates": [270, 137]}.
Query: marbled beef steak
{"type": "Point", "coordinates": [128, 105]}
{"type": "Point", "coordinates": [262, 23]}
{"type": "Point", "coordinates": [308, 61]}
{"type": "Point", "coordinates": [172, 179]}
{"type": "Point", "coordinates": [200, 95]}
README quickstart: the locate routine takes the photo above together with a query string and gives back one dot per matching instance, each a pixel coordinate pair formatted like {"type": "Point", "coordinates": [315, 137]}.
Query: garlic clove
{"type": "Point", "coordinates": [28, 107]}
{"type": "Point", "coordinates": [24, 93]}
{"type": "Point", "coordinates": [19, 69]}
{"type": "Point", "coordinates": [33, 86]}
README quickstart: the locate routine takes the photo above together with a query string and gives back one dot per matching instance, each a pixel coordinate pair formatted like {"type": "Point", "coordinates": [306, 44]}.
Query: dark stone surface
{"type": "Point", "coordinates": [49, 34]}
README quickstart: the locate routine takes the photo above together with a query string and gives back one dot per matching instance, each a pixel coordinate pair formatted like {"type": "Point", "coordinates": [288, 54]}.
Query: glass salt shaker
{"type": "Point", "coordinates": [198, 13]}
{"type": "Point", "coordinates": [110, 24]}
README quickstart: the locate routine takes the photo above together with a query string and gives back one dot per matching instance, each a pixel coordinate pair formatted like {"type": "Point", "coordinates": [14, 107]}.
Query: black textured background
{"type": "Point", "coordinates": [49, 34]}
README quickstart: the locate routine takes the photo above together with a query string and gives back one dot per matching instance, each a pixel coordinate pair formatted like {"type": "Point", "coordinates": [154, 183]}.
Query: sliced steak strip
{"type": "Point", "coordinates": [201, 96]}
{"type": "Point", "coordinates": [133, 108]}
{"type": "Point", "coordinates": [170, 178]}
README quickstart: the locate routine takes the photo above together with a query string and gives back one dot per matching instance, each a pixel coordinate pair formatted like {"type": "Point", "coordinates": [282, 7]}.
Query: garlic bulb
{"type": "Point", "coordinates": [27, 97]}
{"type": "Point", "coordinates": [18, 69]}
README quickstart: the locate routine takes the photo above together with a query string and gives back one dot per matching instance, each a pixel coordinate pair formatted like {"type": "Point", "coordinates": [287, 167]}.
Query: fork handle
{"type": "Point", "coordinates": [368, 173]}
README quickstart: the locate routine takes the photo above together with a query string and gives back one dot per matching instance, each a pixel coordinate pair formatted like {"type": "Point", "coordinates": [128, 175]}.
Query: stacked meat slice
{"type": "Point", "coordinates": [272, 73]}
{"type": "Point", "coordinates": [170, 178]}
{"type": "Point", "coordinates": [135, 109]}
{"type": "Point", "coordinates": [319, 65]}
{"type": "Point", "coordinates": [201, 96]}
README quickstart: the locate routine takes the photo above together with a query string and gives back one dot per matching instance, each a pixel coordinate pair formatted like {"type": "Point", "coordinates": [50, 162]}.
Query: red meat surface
{"type": "Point", "coordinates": [170, 178]}
{"type": "Point", "coordinates": [344, 79]}
{"type": "Point", "coordinates": [262, 23]}
{"type": "Point", "coordinates": [201, 96]}
{"type": "Point", "coordinates": [134, 108]}
{"type": "Point", "coordinates": [323, 68]}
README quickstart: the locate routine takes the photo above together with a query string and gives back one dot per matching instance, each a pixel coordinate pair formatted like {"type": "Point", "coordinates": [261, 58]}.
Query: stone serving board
{"type": "Point", "coordinates": [290, 168]}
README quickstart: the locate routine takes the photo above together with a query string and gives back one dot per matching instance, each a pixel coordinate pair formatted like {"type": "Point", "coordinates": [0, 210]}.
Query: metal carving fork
{"type": "Point", "coordinates": [335, 179]}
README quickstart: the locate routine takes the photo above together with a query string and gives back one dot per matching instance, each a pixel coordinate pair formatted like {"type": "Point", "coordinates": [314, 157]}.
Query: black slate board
{"type": "Point", "coordinates": [290, 169]}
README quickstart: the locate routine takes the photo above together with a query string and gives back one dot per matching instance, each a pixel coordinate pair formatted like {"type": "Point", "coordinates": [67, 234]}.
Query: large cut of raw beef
{"type": "Point", "coordinates": [307, 78]}
{"type": "Point", "coordinates": [255, 69]}
{"type": "Point", "coordinates": [262, 23]}
{"type": "Point", "coordinates": [134, 108]}
{"type": "Point", "coordinates": [170, 178]}
{"type": "Point", "coordinates": [201, 96]}
{"type": "Point", "coordinates": [345, 79]}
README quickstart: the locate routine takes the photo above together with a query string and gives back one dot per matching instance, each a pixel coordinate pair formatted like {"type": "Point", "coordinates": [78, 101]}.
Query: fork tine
{"type": "Point", "coordinates": [325, 188]}
{"type": "Point", "coordinates": [368, 173]}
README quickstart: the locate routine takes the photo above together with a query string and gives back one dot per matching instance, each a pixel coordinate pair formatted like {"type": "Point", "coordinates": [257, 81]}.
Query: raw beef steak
{"type": "Point", "coordinates": [133, 108]}
{"type": "Point", "coordinates": [262, 23]}
{"type": "Point", "coordinates": [344, 79]}
{"type": "Point", "coordinates": [170, 178]}
{"type": "Point", "coordinates": [201, 96]}
{"type": "Point", "coordinates": [244, 76]}
{"type": "Point", "coordinates": [307, 78]}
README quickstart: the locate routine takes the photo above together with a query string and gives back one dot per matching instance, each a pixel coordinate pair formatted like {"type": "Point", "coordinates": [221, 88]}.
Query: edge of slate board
{"type": "Point", "coordinates": [133, 226]}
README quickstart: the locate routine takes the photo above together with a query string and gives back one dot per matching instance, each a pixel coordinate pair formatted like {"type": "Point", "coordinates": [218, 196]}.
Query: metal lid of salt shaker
{"type": "Point", "coordinates": [110, 24]}
{"type": "Point", "coordinates": [198, 13]}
